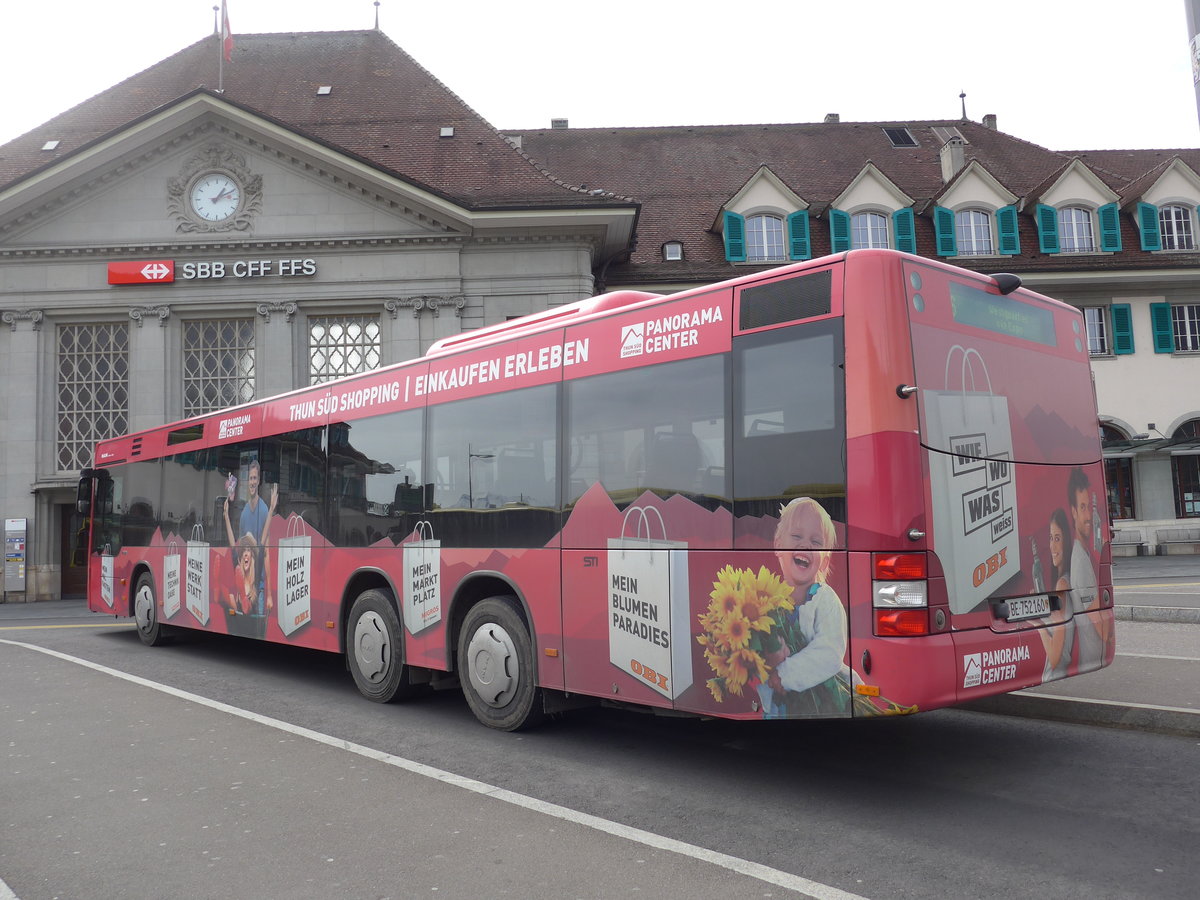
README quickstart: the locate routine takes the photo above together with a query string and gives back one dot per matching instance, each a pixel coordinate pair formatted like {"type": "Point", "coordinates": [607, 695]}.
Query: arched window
{"type": "Point", "coordinates": [973, 232]}
{"type": "Point", "coordinates": [1075, 233]}
{"type": "Point", "coordinates": [1175, 226]}
{"type": "Point", "coordinates": [764, 239]}
{"type": "Point", "coordinates": [1185, 469]}
{"type": "Point", "coordinates": [868, 230]}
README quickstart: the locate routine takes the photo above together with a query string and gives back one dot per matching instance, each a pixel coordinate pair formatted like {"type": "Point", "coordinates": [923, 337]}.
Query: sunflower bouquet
{"type": "Point", "coordinates": [748, 619]}
{"type": "Point", "coordinates": [745, 620]}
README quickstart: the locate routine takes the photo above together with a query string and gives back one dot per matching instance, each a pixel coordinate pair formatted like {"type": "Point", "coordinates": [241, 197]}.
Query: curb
{"type": "Point", "coordinates": [1108, 713]}
{"type": "Point", "coordinates": [1186, 615]}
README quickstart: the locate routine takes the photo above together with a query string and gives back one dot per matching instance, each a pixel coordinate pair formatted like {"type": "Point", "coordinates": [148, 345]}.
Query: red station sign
{"type": "Point", "coordinates": [142, 271]}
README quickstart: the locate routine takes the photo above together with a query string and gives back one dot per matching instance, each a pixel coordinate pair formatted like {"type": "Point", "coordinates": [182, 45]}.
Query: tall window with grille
{"type": "Point", "coordinates": [1185, 324]}
{"type": "Point", "coordinates": [342, 345]}
{"type": "Point", "coordinates": [218, 364]}
{"type": "Point", "coordinates": [1097, 331]}
{"type": "Point", "coordinates": [93, 390]}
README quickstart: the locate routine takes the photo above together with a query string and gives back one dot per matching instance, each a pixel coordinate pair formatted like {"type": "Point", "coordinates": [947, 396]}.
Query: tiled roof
{"type": "Point", "coordinates": [685, 175]}
{"type": "Point", "coordinates": [382, 106]}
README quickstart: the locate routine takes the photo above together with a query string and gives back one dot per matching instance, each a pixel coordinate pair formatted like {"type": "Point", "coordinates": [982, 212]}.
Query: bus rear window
{"type": "Point", "coordinates": [1001, 314]}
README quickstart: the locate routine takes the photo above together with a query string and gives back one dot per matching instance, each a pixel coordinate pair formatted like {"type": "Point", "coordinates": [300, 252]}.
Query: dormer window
{"type": "Point", "coordinates": [1175, 228]}
{"type": "Point", "coordinates": [764, 239]}
{"type": "Point", "coordinates": [973, 232]}
{"type": "Point", "coordinates": [672, 251]}
{"type": "Point", "coordinates": [1075, 233]}
{"type": "Point", "coordinates": [868, 230]}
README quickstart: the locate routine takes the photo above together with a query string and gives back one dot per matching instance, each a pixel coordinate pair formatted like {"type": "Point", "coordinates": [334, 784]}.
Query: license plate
{"type": "Point", "coordinates": [1020, 608]}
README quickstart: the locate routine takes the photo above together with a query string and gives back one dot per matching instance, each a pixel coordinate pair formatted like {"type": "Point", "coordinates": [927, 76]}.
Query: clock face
{"type": "Point", "coordinates": [215, 197]}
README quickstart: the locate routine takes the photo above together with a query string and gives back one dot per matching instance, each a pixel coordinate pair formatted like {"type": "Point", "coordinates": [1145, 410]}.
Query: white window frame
{"type": "Point", "coordinates": [1185, 327]}
{"type": "Point", "coordinates": [1175, 227]}
{"type": "Point", "coordinates": [870, 229]}
{"type": "Point", "coordinates": [1099, 335]}
{"type": "Point", "coordinates": [974, 233]}
{"type": "Point", "coordinates": [766, 238]}
{"type": "Point", "coordinates": [1076, 230]}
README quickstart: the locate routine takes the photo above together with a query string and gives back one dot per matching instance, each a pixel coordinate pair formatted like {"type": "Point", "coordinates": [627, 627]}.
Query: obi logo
{"type": "Point", "coordinates": [633, 340]}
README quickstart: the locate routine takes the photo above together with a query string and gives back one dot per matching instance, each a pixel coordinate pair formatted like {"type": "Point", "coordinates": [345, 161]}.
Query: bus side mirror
{"type": "Point", "coordinates": [83, 494]}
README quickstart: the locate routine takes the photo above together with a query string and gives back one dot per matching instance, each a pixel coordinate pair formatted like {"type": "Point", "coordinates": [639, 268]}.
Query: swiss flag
{"type": "Point", "coordinates": [226, 34]}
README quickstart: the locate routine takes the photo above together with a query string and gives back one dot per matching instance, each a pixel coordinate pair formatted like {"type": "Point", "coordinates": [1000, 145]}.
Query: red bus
{"type": "Point", "coordinates": [860, 485]}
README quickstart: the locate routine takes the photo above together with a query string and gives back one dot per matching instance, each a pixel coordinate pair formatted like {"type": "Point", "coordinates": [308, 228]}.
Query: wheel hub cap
{"type": "Point", "coordinates": [492, 665]}
{"type": "Point", "coordinates": [371, 647]}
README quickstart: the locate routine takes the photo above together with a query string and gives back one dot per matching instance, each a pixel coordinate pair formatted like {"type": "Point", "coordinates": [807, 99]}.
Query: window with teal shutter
{"type": "Point", "coordinates": [1047, 225]}
{"type": "Point", "coordinates": [943, 231]}
{"type": "Point", "coordinates": [1007, 231]}
{"type": "Point", "coordinates": [839, 230]}
{"type": "Point", "coordinates": [1160, 324]}
{"type": "Point", "coordinates": [799, 245]}
{"type": "Point", "coordinates": [1110, 228]}
{"type": "Point", "coordinates": [905, 229]}
{"type": "Point", "coordinates": [1147, 217]}
{"type": "Point", "coordinates": [1122, 327]}
{"type": "Point", "coordinates": [735, 237]}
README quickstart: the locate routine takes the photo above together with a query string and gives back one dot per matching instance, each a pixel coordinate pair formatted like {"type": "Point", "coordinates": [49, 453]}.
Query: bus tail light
{"type": "Point", "coordinates": [900, 594]}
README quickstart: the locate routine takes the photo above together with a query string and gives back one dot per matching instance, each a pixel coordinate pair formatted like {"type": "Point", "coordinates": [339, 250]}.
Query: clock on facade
{"type": "Point", "coordinates": [215, 196]}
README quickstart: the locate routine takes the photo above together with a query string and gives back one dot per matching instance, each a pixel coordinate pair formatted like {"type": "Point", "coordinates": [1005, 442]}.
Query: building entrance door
{"type": "Point", "coordinates": [72, 558]}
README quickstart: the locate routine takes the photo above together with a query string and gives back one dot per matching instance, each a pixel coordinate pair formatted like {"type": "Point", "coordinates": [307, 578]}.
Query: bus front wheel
{"type": "Point", "coordinates": [495, 660]}
{"type": "Point", "coordinates": [374, 651]}
{"type": "Point", "coordinates": [145, 612]}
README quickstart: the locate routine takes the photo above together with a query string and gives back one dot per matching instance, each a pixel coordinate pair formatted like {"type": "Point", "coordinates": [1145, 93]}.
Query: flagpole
{"type": "Point", "coordinates": [221, 51]}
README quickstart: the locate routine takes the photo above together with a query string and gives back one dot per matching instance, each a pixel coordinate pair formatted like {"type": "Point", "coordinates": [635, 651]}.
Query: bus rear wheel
{"type": "Point", "coordinates": [145, 612]}
{"type": "Point", "coordinates": [374, 649]}
{"type": "Point", "coordinates": [495, 660]}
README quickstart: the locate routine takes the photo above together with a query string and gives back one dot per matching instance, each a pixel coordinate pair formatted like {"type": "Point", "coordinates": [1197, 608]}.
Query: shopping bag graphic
{"type": "Point", "coordinates": [295, 576]}
{"type": "Point", "coordinates": [648, 604]}
{"type": "Point", "coordinates": [196, 588]}
{"type": "Point", "coordinates": [106, 580]}
{"type": "Point", "coordinates": [171, 577]}
{"type": "Point", "coordinates": [973, 481]}
{"type": "Point", "coordinates": [422, 580]}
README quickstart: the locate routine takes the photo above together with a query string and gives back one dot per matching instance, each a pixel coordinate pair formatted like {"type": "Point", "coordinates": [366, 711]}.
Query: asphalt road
{"type": "Point", "coordinates": [112, 788]}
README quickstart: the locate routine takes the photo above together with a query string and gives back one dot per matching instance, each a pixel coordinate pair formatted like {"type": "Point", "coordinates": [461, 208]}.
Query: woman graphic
{"type": "Point", "coordinates": [1059, 637]}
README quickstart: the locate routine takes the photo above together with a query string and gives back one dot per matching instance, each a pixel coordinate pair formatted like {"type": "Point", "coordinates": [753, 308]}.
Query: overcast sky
{"type": "Point", "coordinates": [1066, 74]}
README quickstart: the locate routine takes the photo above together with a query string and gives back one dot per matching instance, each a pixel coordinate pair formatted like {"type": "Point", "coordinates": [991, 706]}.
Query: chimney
{"type": "Point", "coordinates": [558, 123]}
{"type": "Point", "coordinates": [989, 121]}
{"type": "Point", "coordinates": [952, 157]}
{"type": "Point", "coordinates": [832, 117]}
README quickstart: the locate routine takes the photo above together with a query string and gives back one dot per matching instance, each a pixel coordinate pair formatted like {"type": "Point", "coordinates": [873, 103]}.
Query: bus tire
{"type": "Point", "coordinates": [374, 649]}
{"type": "Point", "coordinates": [495, 661]}
{"type": "Point", "coordinates": [145, 612]}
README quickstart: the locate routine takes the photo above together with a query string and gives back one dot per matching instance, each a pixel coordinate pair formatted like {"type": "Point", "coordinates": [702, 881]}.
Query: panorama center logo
{"type": "Point", "coordinates": [633, 340]}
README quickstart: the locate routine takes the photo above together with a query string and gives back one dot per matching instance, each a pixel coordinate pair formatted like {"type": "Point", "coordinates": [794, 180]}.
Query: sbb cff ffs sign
{"type": "Point", "coordinates": [162, 271]}
{"type": "Point", "coordinates": [142, 271]}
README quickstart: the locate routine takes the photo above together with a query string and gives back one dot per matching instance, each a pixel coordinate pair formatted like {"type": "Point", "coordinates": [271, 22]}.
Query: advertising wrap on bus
{"type": "Point", "coordinates": [716, 503]}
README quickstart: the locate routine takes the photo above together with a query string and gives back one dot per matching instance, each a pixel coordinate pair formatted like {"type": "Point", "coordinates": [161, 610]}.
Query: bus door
{"type": "Point", "coordinates": [96, 501]}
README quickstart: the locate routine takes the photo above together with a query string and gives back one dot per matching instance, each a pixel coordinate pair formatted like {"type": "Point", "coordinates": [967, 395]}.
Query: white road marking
{"type": "Point", "coordinates": [813, 889]}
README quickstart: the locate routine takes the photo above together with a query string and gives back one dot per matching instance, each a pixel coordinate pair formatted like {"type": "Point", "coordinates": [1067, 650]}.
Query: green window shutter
{"type": "Point", "coordinates": [839, 231]}
{"type": "Point", "coordinates": [1147, 217]}
{"type": "Point", "coordinates": [943, 231]}
{"type": "Point", "coordinates": [905, 228]}
{"type": "Point", "coordinates": [1047, 225]}
{"type": "Point", "coordinates": [1160, 323]}
{"type": "Point", "coordinates": [799, 246]}
{"type": "Point", "coordinates": [735, 237]}
{"type": "Point", "coordinates": [1110, 228]}
{"type": "Point", "coordinates": [1122, 328]}
{"type": "Point", "coordinates": [1008, 236]}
